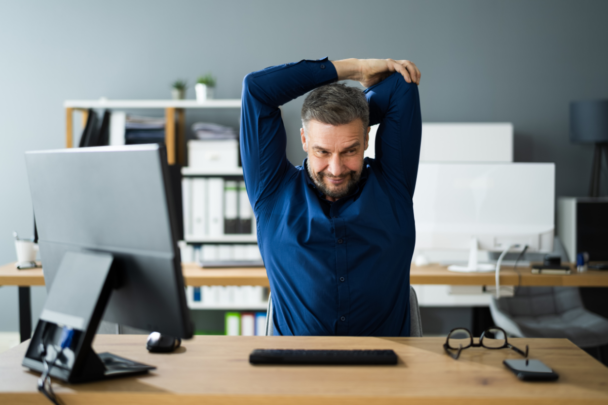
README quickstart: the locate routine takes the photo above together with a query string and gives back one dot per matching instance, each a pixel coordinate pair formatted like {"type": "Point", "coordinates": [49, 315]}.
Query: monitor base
{"type": "Point", "coordinates": [481, 268]}
{"type": "Point", "coordinates": [117, 366]}
{"type": "Point", "coordinates": [473, 266]}
{"type": "Point", "coordinates": [76, 303]}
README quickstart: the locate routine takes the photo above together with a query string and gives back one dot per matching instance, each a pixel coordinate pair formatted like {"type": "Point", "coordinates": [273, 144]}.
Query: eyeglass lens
{"type": "Point", "coordinates": [493, 338]}
{"type": "Point", "coordinates": [459, 338]}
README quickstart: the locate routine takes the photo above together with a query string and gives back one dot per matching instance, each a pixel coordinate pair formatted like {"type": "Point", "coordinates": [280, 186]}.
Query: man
{"type": "Point", "coordinates": [337, 233]}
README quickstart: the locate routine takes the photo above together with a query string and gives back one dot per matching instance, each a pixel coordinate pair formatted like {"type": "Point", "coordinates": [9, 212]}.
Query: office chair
{"type": "Point", "coordinates": [415, 320]}
{"type": "Point", "coordinates": [550, 312]}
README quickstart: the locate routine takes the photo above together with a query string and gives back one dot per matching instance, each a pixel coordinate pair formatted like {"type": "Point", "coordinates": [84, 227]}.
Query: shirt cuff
{"type": "Point", "coordinates": [324, 71]}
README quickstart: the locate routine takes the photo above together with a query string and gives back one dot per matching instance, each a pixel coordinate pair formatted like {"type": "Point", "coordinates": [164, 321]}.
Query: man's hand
{"type": "Point", "coordinates": [371, 71]}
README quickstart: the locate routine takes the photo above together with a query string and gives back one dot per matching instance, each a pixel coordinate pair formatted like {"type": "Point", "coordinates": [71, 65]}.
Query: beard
{"type": "Point", "coordinates": [340, 191]}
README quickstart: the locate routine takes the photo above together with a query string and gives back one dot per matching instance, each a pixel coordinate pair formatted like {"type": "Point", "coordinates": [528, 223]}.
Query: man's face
{"type": "Point", "coordinates": [335, 156]}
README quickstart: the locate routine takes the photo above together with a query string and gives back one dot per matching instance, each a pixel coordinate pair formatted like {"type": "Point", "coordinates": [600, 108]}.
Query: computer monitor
{"type": "Point", "coordinates": [486, 206]}
{"type": "Point", "coordinates": [108, 243]}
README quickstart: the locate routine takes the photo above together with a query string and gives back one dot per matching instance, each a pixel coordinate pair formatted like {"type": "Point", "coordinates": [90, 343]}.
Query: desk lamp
{"type": "Point", "coordinates": [589, 124]}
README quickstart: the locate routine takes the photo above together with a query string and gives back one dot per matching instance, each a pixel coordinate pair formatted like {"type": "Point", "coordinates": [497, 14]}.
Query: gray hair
{"type": "Point", "coordinates": [335, 104]}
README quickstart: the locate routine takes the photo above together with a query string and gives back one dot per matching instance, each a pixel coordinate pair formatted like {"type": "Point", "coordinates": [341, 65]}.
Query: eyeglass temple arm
{"type": "Point", "coordinates": [525, 354]}
{"type": "Point", "coordinates": [456, 355]}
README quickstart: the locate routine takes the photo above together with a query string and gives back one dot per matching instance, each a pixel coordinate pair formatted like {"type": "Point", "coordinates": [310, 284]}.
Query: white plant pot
{"type": "Point", "coordinates": [203, 92]}
{"type": "Point", "coordinates": [178, 94]}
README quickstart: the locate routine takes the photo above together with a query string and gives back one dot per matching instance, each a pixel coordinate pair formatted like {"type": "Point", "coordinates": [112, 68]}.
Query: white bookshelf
{"type": "Point", "coordinates": [175, 138]}
{"type": "Point", "coordinates": [230, 307]}
{"type": "Point", "coordinates": [224, 239]}
{"type": "Point", "coordinates": [136, 104]}
{"type": "Point", "coordinates": [193, 171]}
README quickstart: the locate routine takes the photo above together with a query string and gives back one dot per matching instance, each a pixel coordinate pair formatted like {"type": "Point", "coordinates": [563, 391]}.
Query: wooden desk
{"type": "Point", "coordinates": [195, 276]}
{"type": "Point", "coordinates": [432, 274]}
{"type": "Point", "coordinates": [215, 370]}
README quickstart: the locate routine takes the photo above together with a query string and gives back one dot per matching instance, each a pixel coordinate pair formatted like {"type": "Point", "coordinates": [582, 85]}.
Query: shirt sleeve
{"type": "Point", "coordinates": [262, 137]}
{"type": "Point", "coordinates": [395, 105]}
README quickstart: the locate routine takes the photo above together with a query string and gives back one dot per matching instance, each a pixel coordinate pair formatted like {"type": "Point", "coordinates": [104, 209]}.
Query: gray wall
{"type": "Point", "coordinates": [517, 61]}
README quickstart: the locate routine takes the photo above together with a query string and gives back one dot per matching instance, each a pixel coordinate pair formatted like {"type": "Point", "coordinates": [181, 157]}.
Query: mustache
{"type": "Point", "coordinates": [322, 174]}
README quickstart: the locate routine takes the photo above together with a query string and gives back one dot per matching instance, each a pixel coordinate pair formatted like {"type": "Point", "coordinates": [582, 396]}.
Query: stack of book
{"type": "Point", "coordinates": [214, 207]}
{"type": "Point", "coordinates": [215, 252]}
{"type": "Point", "coordinates": [131, 129]}
{"type": "Point", "coordinates": [245, 324]}
{"type": "Point", "coordinates": [140, 130]}
{"type": "Point", "coordinates": [206, 131]}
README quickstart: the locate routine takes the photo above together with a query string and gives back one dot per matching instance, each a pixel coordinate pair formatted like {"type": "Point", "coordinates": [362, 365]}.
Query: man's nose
{"type": "Point", "coordinates": [336, 169]}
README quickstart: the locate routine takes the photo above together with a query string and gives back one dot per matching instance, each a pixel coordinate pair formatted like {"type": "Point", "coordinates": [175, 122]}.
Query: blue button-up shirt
{"type": "Point", "coordinates": [340, 268]}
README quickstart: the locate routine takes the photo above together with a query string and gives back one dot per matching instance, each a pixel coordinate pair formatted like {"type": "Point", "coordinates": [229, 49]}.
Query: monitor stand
{"type": "Point", "coordinates": [77, 299]}
{"type": "Point", "coordinates": [474, 266]}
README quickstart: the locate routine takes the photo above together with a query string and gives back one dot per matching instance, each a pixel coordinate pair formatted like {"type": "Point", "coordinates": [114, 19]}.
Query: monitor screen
{"type": "Point", "coordinates": [496, 203]}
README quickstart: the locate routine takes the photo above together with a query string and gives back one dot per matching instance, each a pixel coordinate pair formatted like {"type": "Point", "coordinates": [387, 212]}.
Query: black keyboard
{"type": "Point", "coordinates": [352, 357]}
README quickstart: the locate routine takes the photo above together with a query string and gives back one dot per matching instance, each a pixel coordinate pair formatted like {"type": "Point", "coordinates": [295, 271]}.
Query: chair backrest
{"type": "Point", "coordinates": [533, 302]}
{"type": "Point", "coordinates": [415, 319]}
{"type": "Point", "coordinates": [540, 301]}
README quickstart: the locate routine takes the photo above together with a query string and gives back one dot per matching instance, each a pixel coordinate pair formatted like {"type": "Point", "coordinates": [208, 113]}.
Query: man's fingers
{"type": "Point", "coordinates": [402, 70]}
{"type": "Point", "coordinates": [413, 69]}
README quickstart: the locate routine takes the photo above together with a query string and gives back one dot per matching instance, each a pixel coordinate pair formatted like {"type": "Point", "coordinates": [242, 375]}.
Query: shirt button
{"type": "Point", "coordinates": [322, 66]}
{"type": "Point", "coordinates": [340, 241]}
{"type": "Point", "coordinates": [341, 278]}
{"type": "Point", "coordinates": [343, 318]}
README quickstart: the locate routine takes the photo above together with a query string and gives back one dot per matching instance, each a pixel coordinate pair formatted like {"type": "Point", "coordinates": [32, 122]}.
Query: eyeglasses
{"type": "Point", "coordinates": [493, 338]}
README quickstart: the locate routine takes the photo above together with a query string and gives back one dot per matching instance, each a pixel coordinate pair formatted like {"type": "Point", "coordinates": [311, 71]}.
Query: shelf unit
{"type": "Point", "coordinates": [175, 137]}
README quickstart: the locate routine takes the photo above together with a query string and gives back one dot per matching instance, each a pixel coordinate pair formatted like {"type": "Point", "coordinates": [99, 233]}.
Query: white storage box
{"type": "Point", "coordinates": [213, 155]}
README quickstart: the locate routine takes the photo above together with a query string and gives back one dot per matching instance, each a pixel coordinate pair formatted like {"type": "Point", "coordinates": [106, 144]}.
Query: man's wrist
{"type": "Point", "coordinates": [348, 69]}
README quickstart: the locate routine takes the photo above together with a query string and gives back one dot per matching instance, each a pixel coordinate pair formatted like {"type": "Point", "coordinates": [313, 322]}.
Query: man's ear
{"type": "Point", "coordinates": [366, 143]}
{"type": "Point", "coordinates": [303, 139]}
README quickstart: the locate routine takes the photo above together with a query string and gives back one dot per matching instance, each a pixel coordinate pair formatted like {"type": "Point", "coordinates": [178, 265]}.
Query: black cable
{"type": "Point", "coordinates": [46, 378]}
{"type": "Point", "coordinates": [603, 170]}
{"type": "Point", "coordinates": [523, 252]}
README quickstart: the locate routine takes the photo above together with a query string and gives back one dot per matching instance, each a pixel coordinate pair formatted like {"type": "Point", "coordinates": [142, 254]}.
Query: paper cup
{"type": "Point", "coordinates": [26, 251]}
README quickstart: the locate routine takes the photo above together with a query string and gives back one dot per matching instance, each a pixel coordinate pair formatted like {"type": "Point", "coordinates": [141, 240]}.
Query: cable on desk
{"type": "Point", "coordinates": [497, 271]}
{"type": "Point", "coordinates": [44, 382]}
{"type": "Point", "coordinates": [523, 252]}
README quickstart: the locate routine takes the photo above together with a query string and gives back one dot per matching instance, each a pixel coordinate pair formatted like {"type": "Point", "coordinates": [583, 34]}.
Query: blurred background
{"type": "Point", "coordinates": [518, 61]}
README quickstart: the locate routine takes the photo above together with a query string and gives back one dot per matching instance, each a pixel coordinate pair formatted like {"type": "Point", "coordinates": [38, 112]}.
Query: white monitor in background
{"type": "Point", "coordinates": [461, 142]}
{"type": "Point", "coordinates": [467, 142]}
{"type": "Point", "coordinates": [487, 206]}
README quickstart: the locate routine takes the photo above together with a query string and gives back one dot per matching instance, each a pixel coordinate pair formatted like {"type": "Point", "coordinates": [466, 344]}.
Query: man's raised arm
{"type": "Point", "coordinates": [263, 138]}
{"type": "Point", "coordinates": [392, 94]}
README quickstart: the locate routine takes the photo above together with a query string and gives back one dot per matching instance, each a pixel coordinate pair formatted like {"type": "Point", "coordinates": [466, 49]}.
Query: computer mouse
{"type": "Point", "coordinates": [158, 343]}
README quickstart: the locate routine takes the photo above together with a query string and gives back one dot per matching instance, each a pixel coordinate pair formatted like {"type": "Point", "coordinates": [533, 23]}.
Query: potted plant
{"type": "Point", "coordinates": [178, 90]}
{"type": "Point", "coordinates": [204, 87]}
